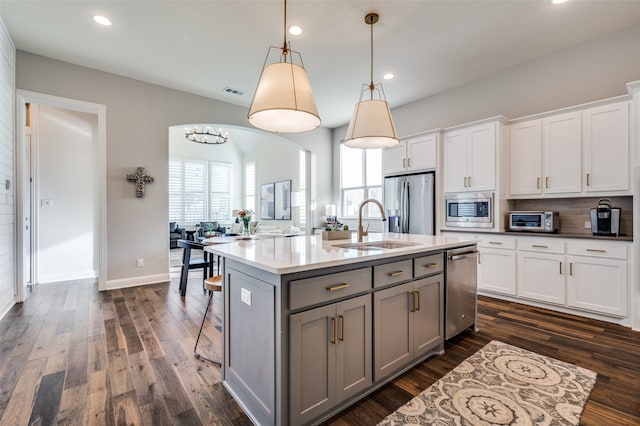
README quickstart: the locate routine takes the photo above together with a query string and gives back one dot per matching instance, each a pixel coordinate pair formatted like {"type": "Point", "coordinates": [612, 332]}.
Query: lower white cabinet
{"type": "Point", "coordinates": [541, 277]}
{"type": "Point", "coordinates": [329, 355]}
{"type": "Point", "coordinates": [408, 323]}
{"type": "Point", "coordinates": [597, 284]}
{"type": "Point", "coordinates": [497, 265]}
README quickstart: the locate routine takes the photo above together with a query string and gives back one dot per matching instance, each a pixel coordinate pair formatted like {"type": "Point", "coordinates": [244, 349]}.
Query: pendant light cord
{"type": "Point", "coordinates": [371, 86]}
{"type": "Point", "coordinates": [285, 49]}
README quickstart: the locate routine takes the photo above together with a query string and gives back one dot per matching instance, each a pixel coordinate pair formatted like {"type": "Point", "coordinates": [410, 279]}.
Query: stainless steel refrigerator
{"type": "Point", "coordinates": [409, 202]}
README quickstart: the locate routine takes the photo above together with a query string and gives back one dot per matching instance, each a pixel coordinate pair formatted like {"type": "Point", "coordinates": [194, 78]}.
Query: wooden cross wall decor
{"type": "Point", "coordinates": [140, 179]}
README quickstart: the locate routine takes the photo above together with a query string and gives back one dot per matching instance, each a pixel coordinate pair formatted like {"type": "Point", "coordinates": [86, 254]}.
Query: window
{"type": "Point", "coordinates": [360, 178]}
{"type": "Point", "coordinates": [199, 191]}
{"type": "Point", "coordinates": [250, 186]}
{"type": "Point", "coordinates": [301, 201]}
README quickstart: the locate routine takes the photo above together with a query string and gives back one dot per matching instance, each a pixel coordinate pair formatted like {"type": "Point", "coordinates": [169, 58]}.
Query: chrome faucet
{"type": "Point", "coordinates": [361, 231]}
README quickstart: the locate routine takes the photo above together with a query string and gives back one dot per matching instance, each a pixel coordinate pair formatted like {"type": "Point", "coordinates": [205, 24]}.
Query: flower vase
{"type": "Point", "coordinates": [245, 228]}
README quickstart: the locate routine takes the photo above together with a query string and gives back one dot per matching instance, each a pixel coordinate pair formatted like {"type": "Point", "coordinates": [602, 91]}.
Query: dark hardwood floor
{"type": "Point", "coordinates": [72, 355]}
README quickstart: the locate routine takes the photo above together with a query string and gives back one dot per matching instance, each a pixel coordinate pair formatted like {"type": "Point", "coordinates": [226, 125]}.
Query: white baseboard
{"type": "Point", "coordinates": [67, 276]}
{"type": "Point", "coordinates": [133, 282]}
{"type": "Point", "coordinates": [6, 308]}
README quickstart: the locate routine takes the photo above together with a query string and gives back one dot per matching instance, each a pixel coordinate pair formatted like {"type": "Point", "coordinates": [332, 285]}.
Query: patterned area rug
{"type": "Point", "coordinates": [502, 385]}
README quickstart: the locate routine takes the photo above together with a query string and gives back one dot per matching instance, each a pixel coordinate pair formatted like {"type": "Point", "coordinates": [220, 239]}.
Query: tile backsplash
{"type": "Point", "coordinates": [574, 212]}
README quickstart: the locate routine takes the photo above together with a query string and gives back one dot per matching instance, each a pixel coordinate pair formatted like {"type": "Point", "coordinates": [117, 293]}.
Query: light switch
{"type": "Point", "coordinates": [46, 202]}
{"type": "Point", "coordinates": [245, 296]}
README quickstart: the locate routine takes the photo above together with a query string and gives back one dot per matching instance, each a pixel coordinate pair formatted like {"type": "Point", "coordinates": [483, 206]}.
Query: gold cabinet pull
{"type": "Point", "coordinates": [404, 163]}
{"type": "Point", "coordinates": [546, 182]}
{"type": "Point", "coordinates": [341, 337]}
{"type": "Point", "coordinates": [588, 175]}
{"type": "Point", "coordinates": [408, 162]}
{"type": "Point", "coordinates": [430, 265]}
{"type": "Point", "coordinates": [395, 273]}
{"type": "Point", "coordinates": [335, 329]}
{"type": "Point", "coordinates": [538, 183]}
{"type": "Point", "coordinates": [571, 268]}
{"type": "Point", "coordinates": [469, 181]}
{"type": "Point", "coordinates": [597, 250]}
{"type": "Point", "coordinates": [465, 181]}
{"type": "Point", "coordinates": [539, 246]}
{"type": "Point", "coordinates": [417, 296]}
{"type": "Point", "coordinates": [338, 287]}
{"type": "Point", "coordinates": [560, 268]}
{"type": "Point", "coordinates": [413, 301]}
{"type": "Point", "coordinates": [495, 242]}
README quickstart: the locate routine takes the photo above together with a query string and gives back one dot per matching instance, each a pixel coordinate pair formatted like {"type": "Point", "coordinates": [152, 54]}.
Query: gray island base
{"type": "Point", "coordinates": [311, 327]}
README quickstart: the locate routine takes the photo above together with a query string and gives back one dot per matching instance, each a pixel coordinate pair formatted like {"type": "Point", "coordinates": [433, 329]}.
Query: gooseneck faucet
{"type": "Point", "coordinates": [361, 231]}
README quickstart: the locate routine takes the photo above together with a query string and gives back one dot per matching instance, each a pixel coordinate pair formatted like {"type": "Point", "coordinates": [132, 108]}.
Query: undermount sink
{"type": "Point", "coordinates": [375, 245]}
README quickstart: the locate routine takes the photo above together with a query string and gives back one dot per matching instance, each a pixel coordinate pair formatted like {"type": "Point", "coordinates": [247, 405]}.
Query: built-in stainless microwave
{"type": "Point", "coordinates": [534, 221]}
{"type": "Point", "coordinates": [469, 210]}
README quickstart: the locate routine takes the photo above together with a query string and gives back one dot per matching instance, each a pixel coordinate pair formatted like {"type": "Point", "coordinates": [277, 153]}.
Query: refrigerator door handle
{"type": "Point", "coordinates": [403, 194]}
{"type": "Point", "coordinates": [408, 208]}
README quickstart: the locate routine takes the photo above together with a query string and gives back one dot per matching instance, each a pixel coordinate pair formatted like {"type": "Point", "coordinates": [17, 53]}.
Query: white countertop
{"type": "Point", "coordinates": [307, 252]}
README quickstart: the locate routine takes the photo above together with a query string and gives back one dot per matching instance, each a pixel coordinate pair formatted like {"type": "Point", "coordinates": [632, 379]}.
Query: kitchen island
{"type": "Point", "coordinates": [311, 326]}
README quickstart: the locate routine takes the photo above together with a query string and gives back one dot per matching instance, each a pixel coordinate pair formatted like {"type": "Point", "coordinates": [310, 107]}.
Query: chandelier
{"type": "Point", "coordinates": [208, 135]}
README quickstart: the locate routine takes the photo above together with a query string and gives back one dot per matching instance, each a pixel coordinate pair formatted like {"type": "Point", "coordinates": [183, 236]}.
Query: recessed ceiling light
{"type": "Point", "coordinates": [388, 76]}
{"type": "Point", "coordinates": [295, 30]}
{"type": "Point", "coordinates": [557, 1]}
{"type": "Point", "coordinates": [102, 20]}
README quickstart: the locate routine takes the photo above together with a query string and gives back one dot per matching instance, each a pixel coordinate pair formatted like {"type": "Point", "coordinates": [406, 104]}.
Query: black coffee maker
{"type": "Point", "coordinates": [605, 220]}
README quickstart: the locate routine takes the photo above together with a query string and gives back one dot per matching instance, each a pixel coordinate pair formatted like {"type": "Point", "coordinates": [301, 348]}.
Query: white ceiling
{"type": "Point", "coordinates": [202, 47]}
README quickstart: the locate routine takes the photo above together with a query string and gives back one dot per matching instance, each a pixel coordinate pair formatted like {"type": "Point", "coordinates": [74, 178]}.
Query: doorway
{"type": "Point", "coordinates": [61, 180]}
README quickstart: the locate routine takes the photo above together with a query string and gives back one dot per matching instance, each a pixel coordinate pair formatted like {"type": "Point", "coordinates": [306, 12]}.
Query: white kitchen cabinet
{"type": "Point", "coordinates": [412, 155]}
{"type": "Point", "coordinates": [470, 158]}
{"type": "Point", "coordinates": [525, 158]}
{"type": "Point", "coordinates": [598, 277]}
{"type": "Point", "coordinates": [497, 265]}
{"type": "Point", "coordinates": [606, 148]}
{"type": "Point", "coordinates": [330, 356]}
{"type": "Point", "coordinates": [562, 154]}
{"type": "Point", "coordinates": [545, 156]}
{"type": "Point", "coordinates": [541, 277]}
{"type": "Point", "coordinates": [408, 323]}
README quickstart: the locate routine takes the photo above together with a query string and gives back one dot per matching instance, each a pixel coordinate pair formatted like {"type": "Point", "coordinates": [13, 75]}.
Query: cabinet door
{"type": "Point", "coordinates": [393, 329]}
{"type": "Point", "coordinates": [422, 152]}
{"type": "Point", "coordinates": [562, 148]}
{"type": "Point", "coordinates": [456, 160]}
{"type": "Point", "coordinates": [482, 158]}
{"type": "Point", "coordinates": [606, 150]}
{"type": "Point", "coordinates": [598, 285]}
{"type": "Point", "coordinates": [312, 358]}
{"type": "Point", "coordinates": [428, 315]}
{"type": "Point", "coordinates": [354, 346]}
{"type": "Point", "coordinates": [497, 271]}
{"type": "Point", "coordinates": [395, 158]}
{"type": "Point", "coordinates": [541, 277]}
{"type": "Point", "coordinates": [525, 158]}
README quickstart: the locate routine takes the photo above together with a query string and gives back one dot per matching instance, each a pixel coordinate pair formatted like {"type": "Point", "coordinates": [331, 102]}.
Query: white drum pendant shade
{"type": "Point", "coordinates": [283, 101]}
{"type": "Point", "coordinates": [371, 126]}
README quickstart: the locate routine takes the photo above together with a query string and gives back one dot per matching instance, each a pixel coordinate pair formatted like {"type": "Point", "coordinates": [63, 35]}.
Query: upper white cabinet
{"type": "Point", "coordinates": [545, 156]}
{"type": "Point", "coordinates": [605, 148]}
{"type": "Point", "coordinates": [412, 154]}
{"type": "Point", "coordinates": [470, 158]}
{"type": "Point", "coordinates": [572, 153]}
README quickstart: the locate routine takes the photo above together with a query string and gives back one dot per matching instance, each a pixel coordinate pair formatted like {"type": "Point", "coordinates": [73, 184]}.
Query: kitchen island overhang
{"type": "Point", "coordinates": [310, 327]}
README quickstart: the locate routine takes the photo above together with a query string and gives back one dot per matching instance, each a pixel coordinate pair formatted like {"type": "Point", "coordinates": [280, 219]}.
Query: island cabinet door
{"type": "Point", "coordinates": [330, 356]}
{"type": "Point", "coordinates": [393, 329]}
{"type": "Point", "coordinates": [428, 315]}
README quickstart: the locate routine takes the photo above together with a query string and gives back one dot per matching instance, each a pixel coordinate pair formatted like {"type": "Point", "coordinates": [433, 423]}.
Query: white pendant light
{"type": "Point", "coordinates": [371, 125]}
{"type": "Point", "coordinates": [283, 101]}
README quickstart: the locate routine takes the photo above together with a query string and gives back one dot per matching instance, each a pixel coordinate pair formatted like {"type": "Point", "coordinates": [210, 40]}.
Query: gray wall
{"type": "Point", "coordinates": [138, 118]}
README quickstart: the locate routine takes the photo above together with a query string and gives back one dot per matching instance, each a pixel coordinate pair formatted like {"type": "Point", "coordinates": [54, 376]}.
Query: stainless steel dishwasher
{"type": "Point", "coordinates": [461, 290]}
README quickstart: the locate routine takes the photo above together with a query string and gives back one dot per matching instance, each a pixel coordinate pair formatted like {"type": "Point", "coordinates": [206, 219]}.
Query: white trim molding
{"type": "Point", "coordinates": [136, 281]}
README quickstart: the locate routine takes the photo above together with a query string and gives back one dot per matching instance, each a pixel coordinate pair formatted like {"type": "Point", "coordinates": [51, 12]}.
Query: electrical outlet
{"type": "Point", "coordinates": [140, 262]}
{"type": "Point", "coordinates": [46, 203]}
{"type": "Point", "coordinates": [587, 224]}
{"type": "Point", "coordinates": [245, 296]}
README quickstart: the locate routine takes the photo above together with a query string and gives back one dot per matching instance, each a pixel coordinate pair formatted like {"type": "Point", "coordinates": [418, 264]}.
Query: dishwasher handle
{"type": "Point", "coordinates": [461, 256]}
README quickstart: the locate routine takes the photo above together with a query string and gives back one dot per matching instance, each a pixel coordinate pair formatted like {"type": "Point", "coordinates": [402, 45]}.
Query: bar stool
{"type": "Point", "coordinates": [212, 284]}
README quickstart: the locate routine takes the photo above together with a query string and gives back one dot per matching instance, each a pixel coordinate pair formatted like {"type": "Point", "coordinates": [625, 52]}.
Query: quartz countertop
{"type": "Point", "coordinates": [626, 238]}
{"type": "Point", "coordinates": [308, 252]}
